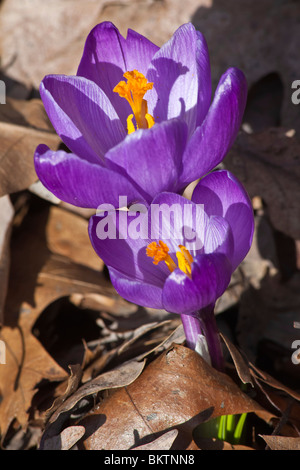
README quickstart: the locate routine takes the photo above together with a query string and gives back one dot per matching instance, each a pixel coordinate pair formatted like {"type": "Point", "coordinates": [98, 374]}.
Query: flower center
{"type": "Point", "coordinates": [133, 91]}
{"type": "Point", "coordinates": [160, 252]}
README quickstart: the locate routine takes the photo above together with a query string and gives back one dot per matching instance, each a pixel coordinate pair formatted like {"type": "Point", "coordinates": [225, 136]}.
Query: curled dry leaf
{"type": "Point", "coordinates": [240, 363]}
{"type": "Point", "coordinates": [72, 385]}
{"type": "Point", "coordinates": [138, 344]}
{"type": "Point", "coordinates": [267, 314]}
{"type": "Point", "coordinates": [177, 390]}
{"type": "Point", "coordinates": [39, 277]}
{"type": "Point", "coordinates": [279, 397]}
{"type": "Point", "coordinates": [66, 439]}
{"type": "Point", "coordinates": [119, 377]}
{"type": "Point", "coordinates": [264, 377]}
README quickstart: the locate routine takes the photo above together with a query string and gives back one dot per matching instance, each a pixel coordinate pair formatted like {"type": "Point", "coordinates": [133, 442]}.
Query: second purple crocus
{"type": "Point", "coordinates": [179, 255]}
{"type": "Point", "coordinates": [137, 119]}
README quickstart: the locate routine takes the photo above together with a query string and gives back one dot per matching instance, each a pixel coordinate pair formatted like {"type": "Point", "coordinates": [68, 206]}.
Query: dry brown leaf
{"type": "Point", "coordinates": [58, 46]}
{"type": "Point", "coordinates": [240, 363]}
{"type": "Point", "coordinates": [38, 277]}
{"type": "Point", "coordinates": [163, 442]}
{"type": "Point", "coordinates": [116, 378]}
{"type": "Point", "coordinates": [119, 377]}
{"type": "Point", "coordinates": [268, 164]}
{"type": "Point", "coordinates": [67, 235]}
{"type": "Point", "coordinates": [138, 344]}
{"type": "Point", "coordinates": [66, 439]}
{"type": "Point", "coordinates": [17, 148]}
{"type": "Point", "coordinates": [46, 264]}
{"type": "Point", "coordinates": [24, 124]}
{"type": "Point", "coordinates": [114, 305]}
{"type": "Point", "coordinates": [266, 378]}
{"type": "Point", "coordinates": [72, 386]}
{"type": "Point", "coordinates": [26, 113]}
{"type": "Point", "coordinates": [281, 398]}
{"type": "Point", "coordinates": [177, 389]}
{"type": "Point", "coordinates": [6, 217]}
{"type": "Point", "coordinates": [27, 364]}
{"type": "Point", "coordinates": [282, 443]}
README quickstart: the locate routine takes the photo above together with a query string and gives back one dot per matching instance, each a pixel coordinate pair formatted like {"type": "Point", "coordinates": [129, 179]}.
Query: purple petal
{"type": "Point", "coordinates": [107, 55]}
{"type": "Point", "coordinates": [212, 140]}
{"type": "Point", "coordinates": [174, 72]}
{"type": "Point", "coordinates": [178, 221]}
{"type": "Point", "coordinates": [152, 157]}
{"type": "Point", "coordinates": [82, 115]}
{"type": "Point", "coordinates": [210, 277]}
{"type": "Point", "coordinates": [204, 78]}
{"type": "Point", "coordinates": [132, 273]}
{"type": "Point", "coordinates": [138, 51]}
{"type": "Point", "coordinates": [223, 195]}
{"type": "Point", "coordinates": [138, 292]}
{"type": "Point", "coordinates": [115, 239]}
{"type": "Point", "coordinates": [79, 182]}
{"type": "Point", "coordinates": [103, 63]}
{"type": "Point", "coordinates": [218, 237]}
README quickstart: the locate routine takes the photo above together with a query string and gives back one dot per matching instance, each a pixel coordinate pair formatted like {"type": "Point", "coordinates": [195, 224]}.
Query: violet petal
{"type": "Point", "coordinates": [82, 115]}
{"type": "Point", "coordinates": [223, 195]}
{"type": "Point", "coordinates": [211, 141]}
{"type": "Point", "coordinates": [174, 72]}
{"type": "Point", "coordinates": [210, 277]}
{"type": "Point", "coordinates": [151, 157]}
{"type": "Point", "coordinates": [108, 55]}
{"type": "Point", "coordinates": [79, 182]}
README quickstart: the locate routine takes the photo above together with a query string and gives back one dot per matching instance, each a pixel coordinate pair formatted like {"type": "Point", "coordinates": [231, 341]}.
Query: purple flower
{"type": "Point", "coordinates": [178, 255]}
{"type": "Point", "coordinates": [137, 119]}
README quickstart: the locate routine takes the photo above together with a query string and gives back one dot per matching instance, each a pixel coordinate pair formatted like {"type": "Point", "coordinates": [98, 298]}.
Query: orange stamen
{"type": "Point", "coordinates": [185, 260]}
{"type": "Point", "coordinates": [160, 252]}
{"type": "Point", "coordinates": [133, 91]}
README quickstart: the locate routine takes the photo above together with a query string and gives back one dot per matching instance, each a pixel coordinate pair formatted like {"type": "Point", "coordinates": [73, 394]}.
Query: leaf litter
{"type": "Point", "coordinates": [84, 369]}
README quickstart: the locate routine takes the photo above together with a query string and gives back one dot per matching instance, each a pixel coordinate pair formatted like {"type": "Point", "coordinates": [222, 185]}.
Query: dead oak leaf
{"type": "Point", "coordinates": [27, 364]}
{"type": "Point", "coordinates": [17, 148]}
{"type": "Point", "coordinates": [6, 218]}
{"type": "Point", "coordinates": [177, 390]}
{"type": "Point", "coordinates": [38, 277]}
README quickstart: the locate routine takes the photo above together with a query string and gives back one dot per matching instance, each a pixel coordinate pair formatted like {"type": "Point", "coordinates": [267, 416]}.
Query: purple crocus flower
{"type": "Point", "coordinates": [137, 119]}
{"type": "Point", "coordinates": [187, 269]}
